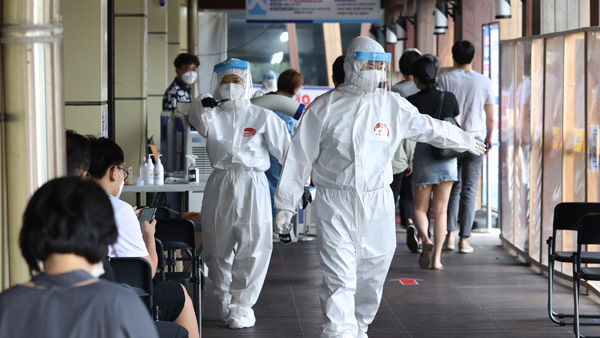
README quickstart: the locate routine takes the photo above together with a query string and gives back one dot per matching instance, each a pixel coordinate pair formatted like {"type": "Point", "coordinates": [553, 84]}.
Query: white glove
{"type": "Point", "coordinates": [282, 218]}
{"type": "Point", "coordinates": [477, 147]}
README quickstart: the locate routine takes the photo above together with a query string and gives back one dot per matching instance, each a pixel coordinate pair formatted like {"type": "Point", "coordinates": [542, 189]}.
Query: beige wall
{"type": "Point", "coordinates": [562, 15]}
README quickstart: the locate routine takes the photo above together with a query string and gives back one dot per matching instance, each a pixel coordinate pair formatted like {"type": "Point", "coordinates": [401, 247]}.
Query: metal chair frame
{"type": "Point", "coordinates": [566, 217]}
{"type": "Point", "coordinates": [588, 233]}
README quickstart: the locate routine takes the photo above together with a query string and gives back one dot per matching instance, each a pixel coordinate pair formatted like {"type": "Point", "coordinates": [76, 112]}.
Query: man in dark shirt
{"type": "Point", "coordinates": [186, 67]}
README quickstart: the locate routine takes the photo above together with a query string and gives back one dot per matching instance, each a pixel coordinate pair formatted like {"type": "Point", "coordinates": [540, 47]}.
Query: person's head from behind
{"type": "Point", "coordinates": [289, 82]}
{"type": "Point", "coordinates": [233, 79]}
{"type": "Point", "coordinates": [186, 67]}
{"type": "Point", "coordinates": [435, 60]}
{"type": "Point", "coordinates": [407, 59]}
{"type": "Point", "coordinates": [463, 52]}
{"type": "Point", "coordinates": [424, 73]}
{"type": "Point", "coordinates": [107, 165]}
{"type": "Point", "coordinates": [338, 75]}
{"type": "Point", "coordinates": [67, 216]}
{"type": "Point", "coordinates": [78, 154]}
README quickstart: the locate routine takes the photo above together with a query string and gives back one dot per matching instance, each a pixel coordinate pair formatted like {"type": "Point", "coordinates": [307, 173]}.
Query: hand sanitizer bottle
{"type": "Point", "coordinates": [143, 172]}
{"type": "Point", "coordinates": [150, 171]}
{"type": "Point", "coordinates": [159, 173]}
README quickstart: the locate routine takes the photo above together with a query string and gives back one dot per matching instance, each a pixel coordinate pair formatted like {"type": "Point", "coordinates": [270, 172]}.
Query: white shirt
{"type": "Point", "coordinates": [130, 242]}
{"type": "Point", "coordinates": [472, 91]}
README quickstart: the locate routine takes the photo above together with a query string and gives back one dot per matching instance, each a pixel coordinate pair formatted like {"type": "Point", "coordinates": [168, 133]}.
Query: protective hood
{"type": "Point", "coordinates": [360, 51]}
{"type": "Point", "coordinates": [235, 67]}
{"type": "Point", "coordinates": [269, 83]}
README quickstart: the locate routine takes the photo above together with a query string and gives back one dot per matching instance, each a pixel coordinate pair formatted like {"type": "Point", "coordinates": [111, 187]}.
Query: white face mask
{"type": "Point", "coordinates": [369, 80]}
{"type": "Point", "coordinates": [120, 185]}
{"type": "Point", "coordinates": [232, 91]}
{"type": "Point", "coordinates": [270, 84]}
{"type": "Point", "coordinates": [189, 77]}
{"type": "Point", "coordinates": [97, 270]}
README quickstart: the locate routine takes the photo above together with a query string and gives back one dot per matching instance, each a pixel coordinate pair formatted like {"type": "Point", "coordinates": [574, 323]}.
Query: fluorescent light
{"type": "Point", "coordinates": [277, 58]}
{"type": "Point", "coordinates": [284, 37]}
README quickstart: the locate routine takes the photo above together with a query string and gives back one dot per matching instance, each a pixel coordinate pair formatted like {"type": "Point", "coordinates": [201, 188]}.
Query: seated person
{"type": "Point", "coordinates": [78, 164]}
{"type": "Point", "coordinates": [67, 227]}
{"type": "Point", "coordinates": [135, 239]}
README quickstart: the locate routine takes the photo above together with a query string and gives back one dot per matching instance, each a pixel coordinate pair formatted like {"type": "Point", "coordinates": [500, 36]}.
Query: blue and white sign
{"type": "Point", "coordinates": [313, 11]}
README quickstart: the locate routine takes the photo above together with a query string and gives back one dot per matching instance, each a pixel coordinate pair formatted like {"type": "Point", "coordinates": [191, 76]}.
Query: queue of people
{"type": "Point", "coordinates": [351, 144]}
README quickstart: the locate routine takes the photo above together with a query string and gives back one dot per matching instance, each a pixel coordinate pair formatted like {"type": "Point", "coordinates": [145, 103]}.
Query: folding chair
{"type": "Point", "coordinates": [179, 234]}
{"type": "Point", "coordinates": [137, 273]}
{"type": "Point", "coordinates": [566, 217]}
{"type": "Point", "coordinates": [588, 233]}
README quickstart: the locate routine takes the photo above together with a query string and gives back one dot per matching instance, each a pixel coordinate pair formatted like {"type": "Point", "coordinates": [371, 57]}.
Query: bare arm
{"type": "Point", "coordinates": [148, 230]}
{"type": "Point", "coordinates": [489, 123]}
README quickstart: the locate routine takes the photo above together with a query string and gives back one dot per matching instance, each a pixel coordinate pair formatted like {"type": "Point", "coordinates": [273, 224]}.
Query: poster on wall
{"type": "Point", "coordinates": [313, 11]}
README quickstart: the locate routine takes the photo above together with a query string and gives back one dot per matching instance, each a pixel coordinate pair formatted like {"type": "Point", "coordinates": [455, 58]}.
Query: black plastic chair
{"type": "Point", "coordinates": [588, 233]}
{"type": "Point", "coordinates": [566, 217]}
{"type": "Point", "coordinates": [178, 235]}
{"type": "Point", "coordinates": [137, 273]}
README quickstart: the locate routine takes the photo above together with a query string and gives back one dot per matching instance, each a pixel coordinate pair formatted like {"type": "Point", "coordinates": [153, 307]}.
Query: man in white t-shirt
{"type": "Point", "coordinates": [473, 92]}
{"type": "Point", "coordinates": [137, 239]}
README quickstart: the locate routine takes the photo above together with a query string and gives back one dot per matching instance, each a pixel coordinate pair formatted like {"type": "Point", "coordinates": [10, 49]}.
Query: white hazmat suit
{"type": "Point", "coordinates": [346, 140]}
{"type": "Point", "coordinates": [236, 208]}
{"type": "Point", "coordinates": [269, 84]}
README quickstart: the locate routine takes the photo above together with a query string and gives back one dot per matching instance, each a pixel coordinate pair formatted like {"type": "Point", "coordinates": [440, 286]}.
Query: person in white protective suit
{"type": "Point", "coordinates": [236, 208]}
{"type": "Point", "coordinates": [345, 141]}
{"type": "Point", "coordinates": [269, 84]}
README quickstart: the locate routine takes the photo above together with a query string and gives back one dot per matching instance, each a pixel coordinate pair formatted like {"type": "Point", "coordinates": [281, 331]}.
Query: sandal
{"type": "Point", "coordinates": [425, 258]}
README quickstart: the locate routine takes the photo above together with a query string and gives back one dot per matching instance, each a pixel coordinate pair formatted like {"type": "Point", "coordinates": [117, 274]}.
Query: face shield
{"type": "Point", "coordinates": [367, 66]}
{"type": "Point", "coordinates": [231, 80]}
{"type": "Point", "coordinates": [270, 82]}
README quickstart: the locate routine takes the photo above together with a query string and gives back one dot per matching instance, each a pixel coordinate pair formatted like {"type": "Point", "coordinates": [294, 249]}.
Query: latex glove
{"type": "Point", "coordinates": [209, 102]}
{"type": "Point", "coordinates": [282, 218]}
{"type": "Point", "coordinates": [477, 147]}
{"type": "Point", "coordinates": [306, 198]}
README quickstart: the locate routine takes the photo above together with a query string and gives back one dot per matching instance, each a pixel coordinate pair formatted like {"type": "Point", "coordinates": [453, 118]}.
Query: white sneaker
{"type": "Point", "coordinates": [240, 317]}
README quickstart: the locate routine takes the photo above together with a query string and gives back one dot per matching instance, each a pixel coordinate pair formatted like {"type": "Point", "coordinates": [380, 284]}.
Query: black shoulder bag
{"type": "Point", "coordinates": [444, 153]}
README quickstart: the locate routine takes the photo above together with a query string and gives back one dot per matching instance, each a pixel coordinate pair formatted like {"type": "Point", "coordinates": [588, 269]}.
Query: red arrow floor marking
{"type": "Point", "coordinates": [407, 281]}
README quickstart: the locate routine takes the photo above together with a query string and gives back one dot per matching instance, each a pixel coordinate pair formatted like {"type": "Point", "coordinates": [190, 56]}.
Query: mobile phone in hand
{"type": "Point", "coordinates": [147, 214]}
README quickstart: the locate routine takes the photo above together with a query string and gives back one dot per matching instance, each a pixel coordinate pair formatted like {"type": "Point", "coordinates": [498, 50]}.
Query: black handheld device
{"type": "Point", "coordinates": [147, 214]}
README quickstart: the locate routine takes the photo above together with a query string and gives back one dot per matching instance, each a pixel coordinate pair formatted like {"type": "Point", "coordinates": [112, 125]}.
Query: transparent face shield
{"type": "Point", "coordinates": [231, 80]}
{"type": "Point", "coordinates": [372, 71]}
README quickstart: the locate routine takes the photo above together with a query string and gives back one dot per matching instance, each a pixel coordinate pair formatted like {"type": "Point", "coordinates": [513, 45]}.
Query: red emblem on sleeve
{"type": "Point", "coordinates": [381, 131]}
{"type": "Point", "coordinates": [249, 132]}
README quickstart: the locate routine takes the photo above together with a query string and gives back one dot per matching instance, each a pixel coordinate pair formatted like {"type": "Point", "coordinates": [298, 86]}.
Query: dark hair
{"type": "Point", "coordinates": [67, 215]}
{"type": "Point", "coordinates": [435, 59]}
{"type": "Point", "coordinates": [185, 59]}
{"type": "Point", "coordinates": [406, 61]}
{"type": "Point", "coordinates": [338, 69]}
{"type": "Point", "coordinates": [289, 81]}
{"type": "Point", "coordinates": [463, 52]}
{"type": "Point", "coordinates": [78, 153]}
{"type": "Point", "coordinates": [105, 154]}
{"type": "Point", "coordinates": [424, 70]}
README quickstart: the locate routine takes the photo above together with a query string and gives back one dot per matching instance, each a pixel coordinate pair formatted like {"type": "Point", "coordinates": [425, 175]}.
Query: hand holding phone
{"type": "Point", "coordinates": [147, 215]}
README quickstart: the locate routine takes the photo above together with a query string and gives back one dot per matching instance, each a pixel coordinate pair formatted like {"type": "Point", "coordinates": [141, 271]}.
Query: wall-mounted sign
{"type": "Point", "coordinates": [313, 11]}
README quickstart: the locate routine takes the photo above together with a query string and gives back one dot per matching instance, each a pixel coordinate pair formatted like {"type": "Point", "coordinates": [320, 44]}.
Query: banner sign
{"type": "Point", "coordinates": [313, 11]}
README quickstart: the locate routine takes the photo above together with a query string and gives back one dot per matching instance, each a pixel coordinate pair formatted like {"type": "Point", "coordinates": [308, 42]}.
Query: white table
{"type": "Point", "coordinates": [184, 188]}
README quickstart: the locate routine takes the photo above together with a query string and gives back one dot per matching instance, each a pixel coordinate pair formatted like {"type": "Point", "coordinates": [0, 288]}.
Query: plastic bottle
{"type": "Point", "coordinates": [150, 171]}
{"type": "Point", "coordinates": [159, 172]}
{"type": "Point", "coordinates": [192, 172]}
{"type": "Point", "coordinates": [143, 172]}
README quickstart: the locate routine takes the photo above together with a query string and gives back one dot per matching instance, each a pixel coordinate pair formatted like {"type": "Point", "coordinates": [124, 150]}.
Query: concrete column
{"type": "Point", "coordinates": [32, 138]}
{"type": "Point", "coordinates": [131, 80]}
{"type": "Point", "coordinates": [85, 50]}
{"type": "Point", "coordinates": [174, 36]}
{"type": "Point", "coordinates": [425, 38]}
{"type": "Point", "coordinates": [158, 65]}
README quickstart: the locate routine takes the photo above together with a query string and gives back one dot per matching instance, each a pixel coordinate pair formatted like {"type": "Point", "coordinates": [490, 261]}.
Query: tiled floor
{"type": "Point", "coordinates": [489, 293]}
